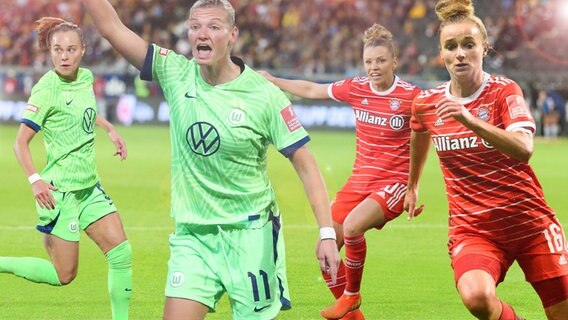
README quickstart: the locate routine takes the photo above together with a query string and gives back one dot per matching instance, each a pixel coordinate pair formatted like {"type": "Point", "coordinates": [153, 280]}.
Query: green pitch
{"type": "Point", "coordinates": [407, 273]}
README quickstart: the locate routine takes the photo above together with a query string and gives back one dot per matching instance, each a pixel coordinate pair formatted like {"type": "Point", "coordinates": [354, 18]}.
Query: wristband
{"type": "Point", "coordinates": [327, 233]}
{"type": "Point", "coordinates": [33, 178]}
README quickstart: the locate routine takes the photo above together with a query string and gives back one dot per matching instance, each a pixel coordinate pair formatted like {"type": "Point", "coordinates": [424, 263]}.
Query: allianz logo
{"type": "Point", "coordinates": [365, 116]}
{"type": "Point", "coordinates": [448, 144]}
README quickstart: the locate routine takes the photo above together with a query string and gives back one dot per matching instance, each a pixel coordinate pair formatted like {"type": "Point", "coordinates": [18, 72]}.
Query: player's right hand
{"type": "Point", "coordinates": [42, 194]}
{"type": "Point", "coordinates": [410, 204]}
{"type": "Point", "coordinates": [328, 257]}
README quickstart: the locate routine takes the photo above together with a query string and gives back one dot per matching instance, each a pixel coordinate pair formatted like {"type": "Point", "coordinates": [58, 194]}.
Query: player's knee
{"type": "Point", "coordinates": [120, 257]}
{"type": "Point", "coordinates": [478, 302]}
{"type": "Point", "coordinates": [66, 277]}
{"type": "Point", "coordinates": [352, 229]}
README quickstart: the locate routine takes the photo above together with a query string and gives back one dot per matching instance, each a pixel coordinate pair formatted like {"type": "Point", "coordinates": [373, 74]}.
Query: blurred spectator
{"type": "Point", "coordinates": [551, 105]}
{"type": "Point", "coordinates": [528, 37]}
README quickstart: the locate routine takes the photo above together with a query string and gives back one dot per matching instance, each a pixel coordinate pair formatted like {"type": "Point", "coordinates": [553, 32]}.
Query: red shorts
{"type": "Point", "coordinates": [389, 197]}
{"type": "Point", "coordinates": [539, 257]}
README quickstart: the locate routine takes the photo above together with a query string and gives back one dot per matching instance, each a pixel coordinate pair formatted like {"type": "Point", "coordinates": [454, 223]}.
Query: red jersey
{"type": "Point", "coordinates": [488, 192]}
{"type": "Point", "coordinates": [382, 130]}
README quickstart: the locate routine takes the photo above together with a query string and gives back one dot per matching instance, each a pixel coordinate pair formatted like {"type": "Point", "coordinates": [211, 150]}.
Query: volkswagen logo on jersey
{"type": "Point", "coordinates": [89, 117]}
{"type": "Point", "coordinates": [203, 138]}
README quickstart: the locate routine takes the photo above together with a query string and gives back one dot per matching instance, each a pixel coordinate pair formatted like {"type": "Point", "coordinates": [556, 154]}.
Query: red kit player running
{"type": "Point", "coordinates": [483, 131]}
{"type": "Point", "coordinates": [374, 193]}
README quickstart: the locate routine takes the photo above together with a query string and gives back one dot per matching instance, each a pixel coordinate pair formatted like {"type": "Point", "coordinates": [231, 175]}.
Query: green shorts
{"type": "Point", "coordinates": [248, 264]}
{"type": "Point", "coordinates": [74, 211]}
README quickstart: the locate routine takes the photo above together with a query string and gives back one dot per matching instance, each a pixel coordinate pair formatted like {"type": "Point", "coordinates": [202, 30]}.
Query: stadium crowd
{"type": "Point", "coordinates": [319, 38]}
{"type": "Point", "coordinates": [288, 35]}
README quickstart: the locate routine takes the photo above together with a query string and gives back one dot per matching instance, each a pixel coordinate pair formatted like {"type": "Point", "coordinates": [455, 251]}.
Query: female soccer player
{"type": "Point", "coordinates": [223, 117]}
{"type": "Point", "coordinates": [374, 193]}
{"type": "Point", "coordinates": [68, 192]}
{"type": "Point", "coordinates": [483, 134]}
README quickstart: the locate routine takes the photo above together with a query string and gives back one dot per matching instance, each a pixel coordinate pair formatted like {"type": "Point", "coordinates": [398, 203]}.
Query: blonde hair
{"type": "Point", "coordinates": [47, 26]}
{"type": "Point", "coordinates": [376, 36]}
{"type": "Point", "coordinates": [225, 4]}
{"type": "Point", "coordinates": [457, 11]}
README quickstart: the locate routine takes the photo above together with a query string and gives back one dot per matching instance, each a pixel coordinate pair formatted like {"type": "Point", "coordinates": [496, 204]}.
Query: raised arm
{"type": "Point", "coordinates": [125, 41]}
{"type": "Point", "coordinates": [419, 145]}
{"type": "Point", "coordinates": [316, 191]}
{"type": "Point", "coordinates": [300, 88]}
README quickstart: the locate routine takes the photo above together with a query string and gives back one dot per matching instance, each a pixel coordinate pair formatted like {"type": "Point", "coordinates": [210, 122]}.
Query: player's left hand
{"type": "Point", "coordinates": [449, 108]}
{"type": "Point", "coordinates": [119, 144]}
{"type": "Point", "coordinates": [328, 257]}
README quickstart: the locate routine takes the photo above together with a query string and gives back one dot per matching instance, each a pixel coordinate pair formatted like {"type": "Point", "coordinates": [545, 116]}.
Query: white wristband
{"type": "Point", "coordinates": [33, 178]}
{"type": "Point", "coordinates": [327, 233]}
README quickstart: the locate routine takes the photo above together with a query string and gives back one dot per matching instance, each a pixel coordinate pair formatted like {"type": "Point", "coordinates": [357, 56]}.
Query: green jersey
{"type": "Point", "coordinates": [219, 137]}
{"type": "Point", "coordinates": [66, 113]}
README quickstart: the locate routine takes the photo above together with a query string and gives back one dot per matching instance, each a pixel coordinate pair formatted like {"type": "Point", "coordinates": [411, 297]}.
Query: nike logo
{"type": "Point", "coordinates": [256, 309]}
{"type": "Point", "coordinates": [68, 102]}
{"type": "Point", "coordinates": [127, 289]}
{"type": "Point", "coordinates": [187, 95]}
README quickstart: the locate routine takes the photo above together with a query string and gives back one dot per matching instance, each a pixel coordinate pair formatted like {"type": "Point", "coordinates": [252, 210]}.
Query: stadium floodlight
{"type": "Point", "coordinates": [563, 12]}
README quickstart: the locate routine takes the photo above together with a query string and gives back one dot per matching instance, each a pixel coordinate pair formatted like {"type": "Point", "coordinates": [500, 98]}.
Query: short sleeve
{"type": "Point", "coordinates": [284, 128]}
{"type": "Point", "coordinates": [514, 111]}
{"type": "Point", "coordinates": [339, 90]}
{"type": "Point", "coordinates": [37, 108]}
{"type": "Point", "coordinates": [162, 65]}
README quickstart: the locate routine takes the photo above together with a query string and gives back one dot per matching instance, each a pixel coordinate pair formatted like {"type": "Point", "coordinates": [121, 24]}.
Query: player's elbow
{"type": "Point", "coordinates": [526, 153]}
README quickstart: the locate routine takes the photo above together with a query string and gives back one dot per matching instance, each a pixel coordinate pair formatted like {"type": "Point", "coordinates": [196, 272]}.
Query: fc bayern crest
{"type": "Point", "coordinates": [483, 113]}
{"type": "Point", "coordinates": [395, 104]}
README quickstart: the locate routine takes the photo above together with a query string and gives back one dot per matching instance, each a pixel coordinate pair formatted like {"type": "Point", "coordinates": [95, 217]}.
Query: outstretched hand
{"type": "Point", "coordinates": [119, 144]}
{"type": "Point", "coordinates": [328, 257]}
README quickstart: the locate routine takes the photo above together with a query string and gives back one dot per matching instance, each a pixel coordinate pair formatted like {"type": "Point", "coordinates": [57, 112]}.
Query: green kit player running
{"type": "Point", "coordinates": [228, 235]}
{"type": "Point", "coordinates": [68, 193]}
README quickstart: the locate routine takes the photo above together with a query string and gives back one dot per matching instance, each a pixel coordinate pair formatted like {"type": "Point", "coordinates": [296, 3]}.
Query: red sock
{"type": "Point", "coordinates": [339, 286]}
{"type": "Point", "coordinates": [508, 313]}
{"type": "Point", "coordinates": [355, 252]}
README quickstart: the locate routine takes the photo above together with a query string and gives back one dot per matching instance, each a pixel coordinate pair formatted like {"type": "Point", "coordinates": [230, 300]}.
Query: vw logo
{"type": "Point", "coordinates": [203, 138]}
{"type": "Point", "coordinates": [89, 117]}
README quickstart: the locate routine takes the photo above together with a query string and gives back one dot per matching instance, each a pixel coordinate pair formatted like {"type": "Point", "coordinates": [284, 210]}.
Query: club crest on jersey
{"type": "Point", "coordinates": [483, 113]}
{"type": "Point", "coordinates": [236, 117]}
{"type": "Point", "coordinates": [32, 108]}
{"type": "Point", "coordinates": [394, 104]}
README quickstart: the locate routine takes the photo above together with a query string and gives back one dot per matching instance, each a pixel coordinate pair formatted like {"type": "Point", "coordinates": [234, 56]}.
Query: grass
{"type": "Point", "coordinates": [407, 273]}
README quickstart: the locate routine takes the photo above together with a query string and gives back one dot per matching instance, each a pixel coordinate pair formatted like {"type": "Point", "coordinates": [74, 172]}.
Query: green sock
{"type": "Point", "coordinates": [120, 279]}
{"type": "Point", "coordinates": [32, 269]}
